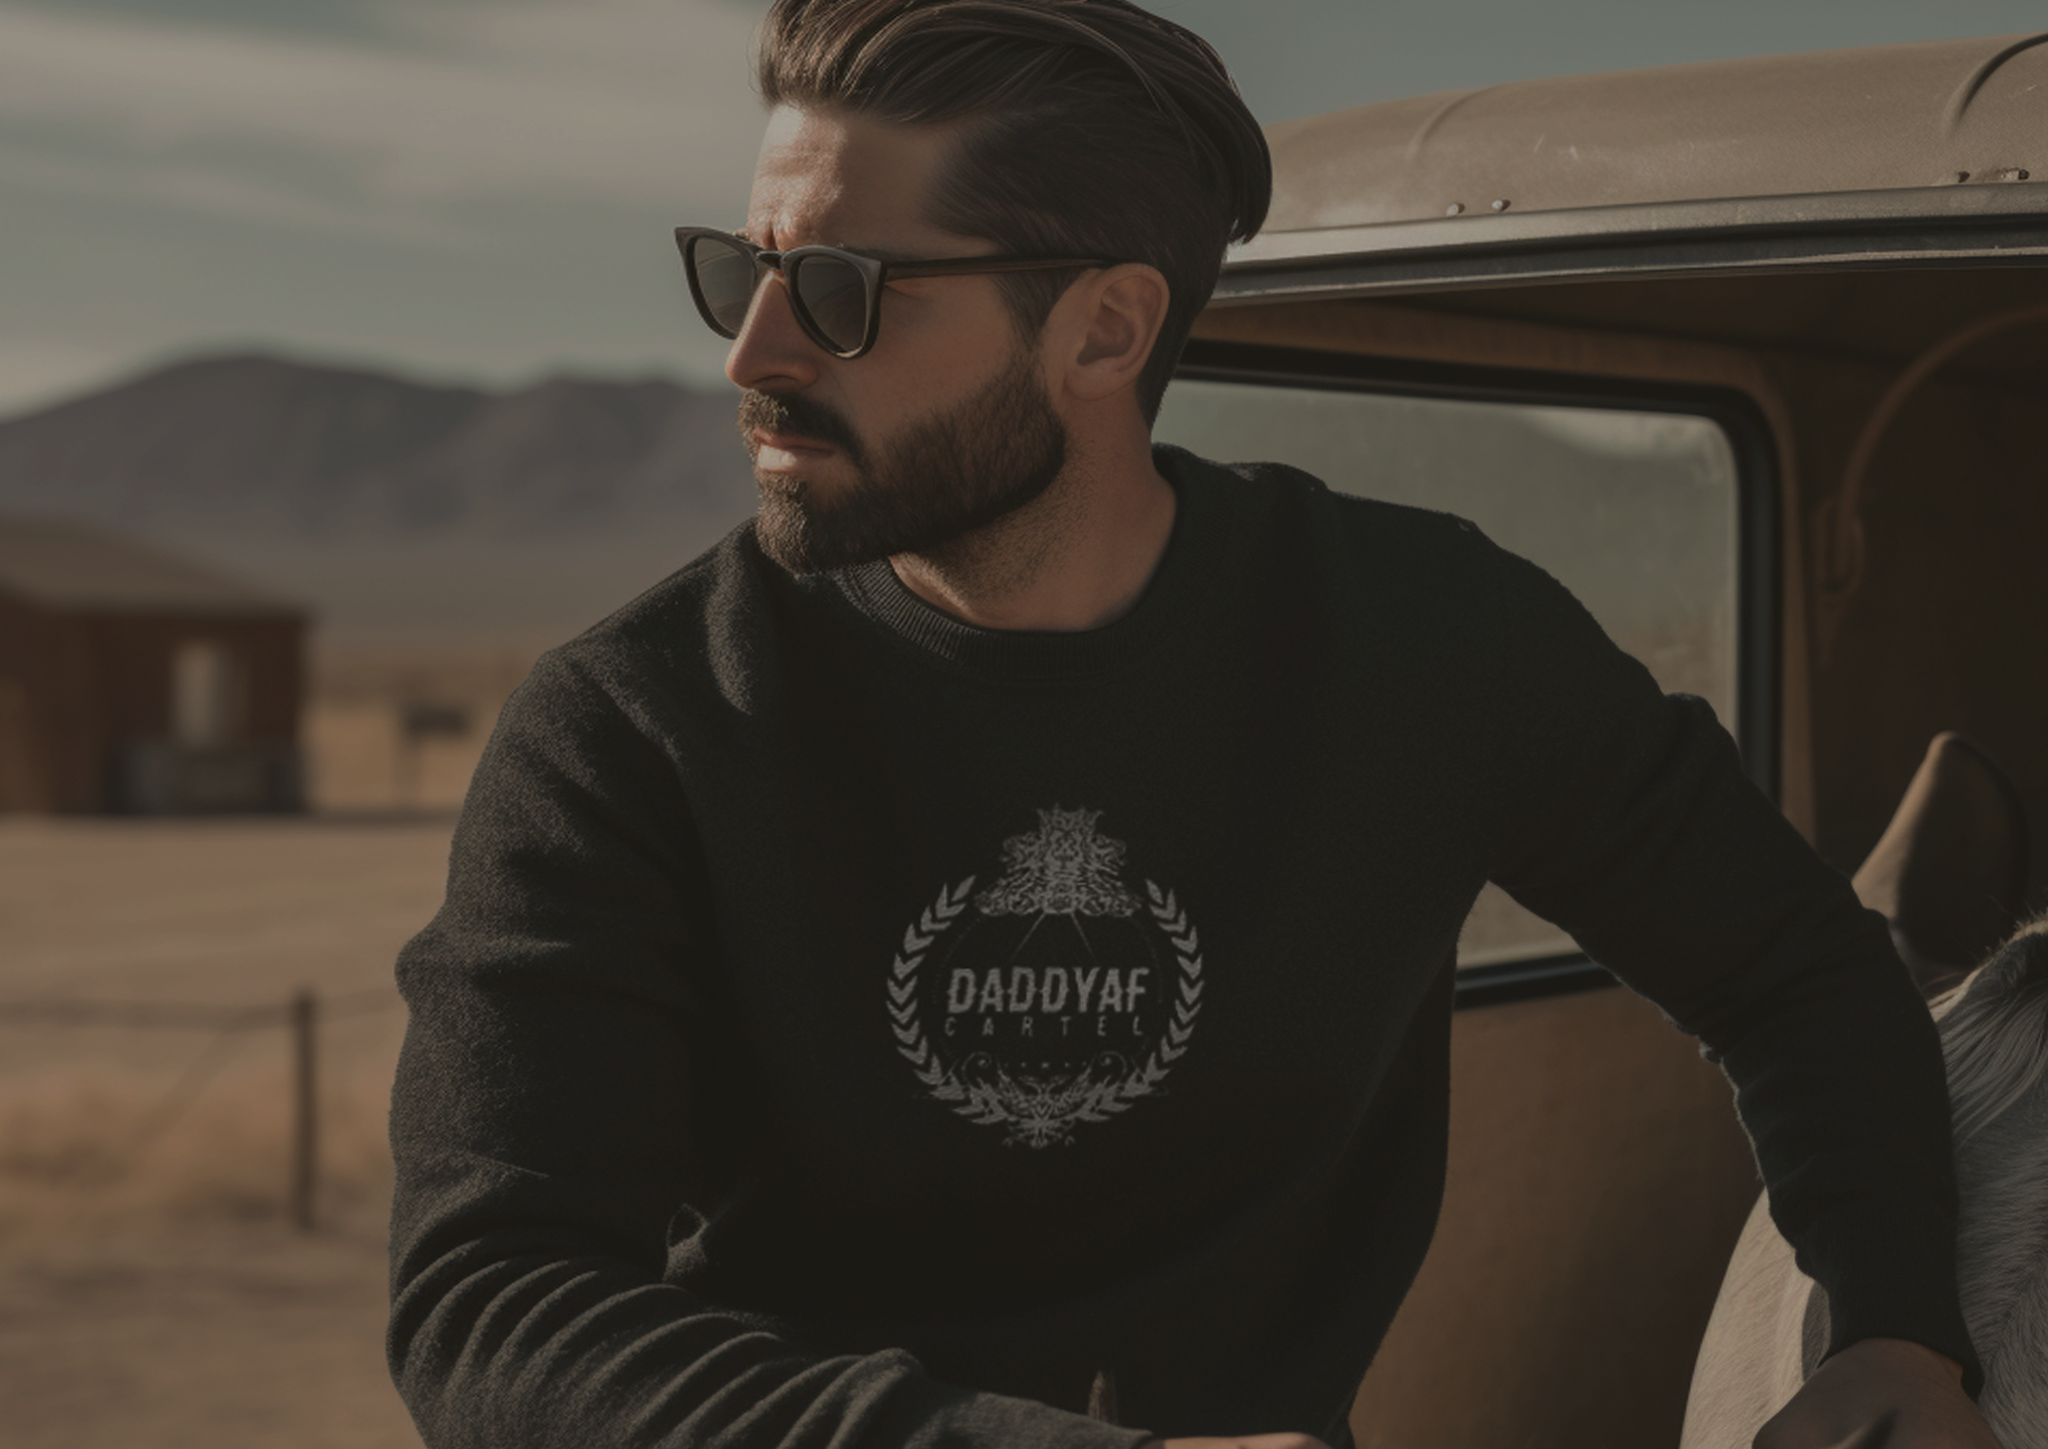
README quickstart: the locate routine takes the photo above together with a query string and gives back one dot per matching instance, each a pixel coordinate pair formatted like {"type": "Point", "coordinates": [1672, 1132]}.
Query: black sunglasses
{"type": "Point", "coordinates": [834, 293]}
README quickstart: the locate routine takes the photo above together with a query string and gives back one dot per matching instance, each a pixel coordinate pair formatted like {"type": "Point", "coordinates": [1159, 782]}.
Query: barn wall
{"type": "Point", "coordinates": [107, 686]}
{"type": "Point", "coordinates": [131, 664]}
{"type": "Point", "coordinates": [27, 688]}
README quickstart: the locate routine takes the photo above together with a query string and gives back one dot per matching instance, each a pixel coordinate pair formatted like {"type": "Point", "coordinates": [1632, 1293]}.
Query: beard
{"type": "Point", "coordinates": [933, 483]}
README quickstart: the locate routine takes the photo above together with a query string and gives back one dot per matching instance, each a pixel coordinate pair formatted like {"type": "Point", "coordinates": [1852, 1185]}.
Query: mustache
{"type": "Point", "coordinates": [803, 416]}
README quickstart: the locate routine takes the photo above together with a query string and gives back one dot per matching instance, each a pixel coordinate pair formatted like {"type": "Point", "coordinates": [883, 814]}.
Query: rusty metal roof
{"type": "Point", "coordinates": [1934, 130]}
{"type": "Point", "coordinates": [75, 567]}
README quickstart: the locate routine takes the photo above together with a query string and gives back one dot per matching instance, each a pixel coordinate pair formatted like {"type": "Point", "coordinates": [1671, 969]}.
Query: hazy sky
{"type": "Point", "coordinates": [484, 188]}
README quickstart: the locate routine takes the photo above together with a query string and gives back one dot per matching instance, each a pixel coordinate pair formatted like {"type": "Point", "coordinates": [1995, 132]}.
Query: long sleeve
{"type": "Point", "coordinates": [1633, 826]}
{"type": "Point", "coordinates": [557, 1129]}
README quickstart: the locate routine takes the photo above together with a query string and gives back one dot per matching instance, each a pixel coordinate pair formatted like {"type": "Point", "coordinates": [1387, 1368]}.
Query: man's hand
{"type": "Point", "coordinates": [1241, 1441]}
{"type": "Point", "coordinates": [1882, 1393]}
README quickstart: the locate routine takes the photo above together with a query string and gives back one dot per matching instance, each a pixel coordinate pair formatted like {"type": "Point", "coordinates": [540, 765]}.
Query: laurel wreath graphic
{"type": "Point", "coordinates": [909, 1028]}
{"type": "Point", "coordinates": [1038, 1113]}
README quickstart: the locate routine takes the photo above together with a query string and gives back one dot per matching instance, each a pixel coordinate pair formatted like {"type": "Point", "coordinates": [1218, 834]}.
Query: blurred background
{"type": "Point", "coordinates": [345, 365]}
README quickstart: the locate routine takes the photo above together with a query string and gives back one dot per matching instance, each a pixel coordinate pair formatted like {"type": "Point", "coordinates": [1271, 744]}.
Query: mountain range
{"type": "Point", "coordinates": [402, 512]}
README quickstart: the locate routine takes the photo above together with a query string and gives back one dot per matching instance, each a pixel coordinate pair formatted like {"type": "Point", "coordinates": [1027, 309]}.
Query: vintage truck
{"type": "Point", "coordinates": [1754, 356]}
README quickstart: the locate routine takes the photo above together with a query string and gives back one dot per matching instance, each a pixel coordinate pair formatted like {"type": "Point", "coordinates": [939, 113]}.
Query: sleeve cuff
{"type": "Point", "coordinates": [925, 1414]}
{"type": "Point", "coordinates": [1884, 1288]}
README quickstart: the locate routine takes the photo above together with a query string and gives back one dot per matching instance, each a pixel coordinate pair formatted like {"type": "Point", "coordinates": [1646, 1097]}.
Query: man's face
{"type": "Point", "coordinates": [945, 425]}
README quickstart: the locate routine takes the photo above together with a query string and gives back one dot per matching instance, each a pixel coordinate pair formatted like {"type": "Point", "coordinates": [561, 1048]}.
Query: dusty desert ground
{"type": "Point", "coordinates": [152, 1289]}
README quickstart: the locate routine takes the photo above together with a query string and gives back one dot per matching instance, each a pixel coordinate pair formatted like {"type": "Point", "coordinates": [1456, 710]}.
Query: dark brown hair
{"type": "Point", "coordinates": [1099, 129]}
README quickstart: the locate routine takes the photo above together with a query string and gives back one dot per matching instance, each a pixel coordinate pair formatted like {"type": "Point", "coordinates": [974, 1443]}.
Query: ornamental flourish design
{"type": "Point", "coordinates": [1056, 997]}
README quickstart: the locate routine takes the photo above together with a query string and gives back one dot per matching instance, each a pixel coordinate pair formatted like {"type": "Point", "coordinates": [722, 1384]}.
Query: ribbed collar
{"type": "Point", "coordinates": [1189, 578]}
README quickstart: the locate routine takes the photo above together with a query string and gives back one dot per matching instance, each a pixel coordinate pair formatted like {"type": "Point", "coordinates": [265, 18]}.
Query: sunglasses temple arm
{"type": "Point", "coordinates": [971, 265]}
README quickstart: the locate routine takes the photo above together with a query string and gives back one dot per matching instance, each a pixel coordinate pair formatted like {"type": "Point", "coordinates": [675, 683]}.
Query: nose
{"type": "Point", "coordinates": [772, 354]}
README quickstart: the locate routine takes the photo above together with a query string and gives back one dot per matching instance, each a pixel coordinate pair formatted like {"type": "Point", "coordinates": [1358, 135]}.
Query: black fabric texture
{"type": "Point", "coordinates": [848, 1026]}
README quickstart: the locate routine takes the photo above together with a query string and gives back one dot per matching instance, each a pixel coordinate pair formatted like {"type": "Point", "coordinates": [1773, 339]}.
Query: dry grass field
{"type": "Point", "coordinates": [360, 753]}
{"type": "Point", "coordinates": [153, 1291]}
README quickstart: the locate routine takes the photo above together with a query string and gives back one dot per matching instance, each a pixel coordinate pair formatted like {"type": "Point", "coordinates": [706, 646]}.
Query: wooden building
{"type": "Point", "coordinates": [135, 681]}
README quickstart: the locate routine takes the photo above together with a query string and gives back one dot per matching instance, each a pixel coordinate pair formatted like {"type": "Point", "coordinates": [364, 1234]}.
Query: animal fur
{"type": "Point", "coordinates": [1994, 1035]}
{"type": "Point", "coordinates": [1769, 1326]}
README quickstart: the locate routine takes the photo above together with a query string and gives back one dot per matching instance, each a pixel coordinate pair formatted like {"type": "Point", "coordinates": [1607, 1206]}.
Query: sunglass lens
{"type": "Point", "coordinates": [835, 295]}
{"type": "Point", "coordinates": [725, 280]}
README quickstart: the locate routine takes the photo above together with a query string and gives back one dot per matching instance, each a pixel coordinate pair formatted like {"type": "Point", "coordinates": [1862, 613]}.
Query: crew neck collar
{"type": "Point", "coordinates": [1188, 573]}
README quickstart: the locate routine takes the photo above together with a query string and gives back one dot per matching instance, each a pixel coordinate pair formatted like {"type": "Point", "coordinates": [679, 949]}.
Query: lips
{"type": "Point", "coordinates": [763, 439]}
{"type": "Point", "coordinates": [782, 430]}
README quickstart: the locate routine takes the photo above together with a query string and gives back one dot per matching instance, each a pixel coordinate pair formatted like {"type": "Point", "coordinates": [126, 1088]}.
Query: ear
{"type": "Point", "coordinates": [1105, 326]}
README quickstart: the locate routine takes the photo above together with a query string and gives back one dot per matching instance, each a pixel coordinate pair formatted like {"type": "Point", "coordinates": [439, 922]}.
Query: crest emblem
{"type": "Point", "coordinates": [1057, 996]}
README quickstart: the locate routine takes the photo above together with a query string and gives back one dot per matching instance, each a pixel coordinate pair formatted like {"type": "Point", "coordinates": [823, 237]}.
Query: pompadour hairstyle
{"type": "Point", "coordinates": [1096, 129]}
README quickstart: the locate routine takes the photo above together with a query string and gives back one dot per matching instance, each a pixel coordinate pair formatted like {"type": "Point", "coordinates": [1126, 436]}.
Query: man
{"type": "Point", "coordinates": [980, 937]}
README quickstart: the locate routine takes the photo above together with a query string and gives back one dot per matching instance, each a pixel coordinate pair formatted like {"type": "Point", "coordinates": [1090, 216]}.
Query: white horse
{"type": "Point", "coordinates": [1994, 1034]}
{"type": "Point", "coordinates": [1769, 1326]}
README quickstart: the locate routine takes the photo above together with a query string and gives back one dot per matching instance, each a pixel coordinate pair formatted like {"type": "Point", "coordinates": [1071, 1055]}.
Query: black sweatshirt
{"type": "Point", "coordinates": [847, 1025]}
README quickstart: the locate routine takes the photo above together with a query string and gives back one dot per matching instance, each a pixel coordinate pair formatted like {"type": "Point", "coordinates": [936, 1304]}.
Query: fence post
{"type": "Point", "coordinates": [305, 1109]}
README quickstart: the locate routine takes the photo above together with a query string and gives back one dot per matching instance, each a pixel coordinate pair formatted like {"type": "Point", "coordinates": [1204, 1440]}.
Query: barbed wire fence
{"type": "Point", "coordinates": [300, 1015]}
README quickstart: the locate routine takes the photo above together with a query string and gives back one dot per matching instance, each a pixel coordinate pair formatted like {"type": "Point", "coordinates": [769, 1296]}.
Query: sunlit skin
{"type": "Point", "coordinates": [1079, 555]}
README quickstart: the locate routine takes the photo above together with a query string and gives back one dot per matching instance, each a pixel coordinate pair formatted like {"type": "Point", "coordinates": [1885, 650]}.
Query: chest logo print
{"type": "Point", "coordinates": [1056, 996]}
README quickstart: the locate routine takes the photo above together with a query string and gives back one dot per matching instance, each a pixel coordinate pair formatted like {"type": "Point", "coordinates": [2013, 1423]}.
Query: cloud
{"type": "Point", "coordinates": [642, 104]}
{"type": "Point", "coordinates": [226, 194]}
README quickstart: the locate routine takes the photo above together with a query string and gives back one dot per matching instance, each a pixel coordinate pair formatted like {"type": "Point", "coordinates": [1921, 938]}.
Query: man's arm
{"type": "Point", "coordinates": [558, 1141]}
{"type": "Point", "coordinates": [1632, 825]}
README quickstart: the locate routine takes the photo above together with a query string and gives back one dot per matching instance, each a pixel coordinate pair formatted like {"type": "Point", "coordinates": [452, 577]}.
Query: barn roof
{"type": "Point", "coordinates": [1929, 131]}
{"type": "Point", "coordinates": [57, 564]}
